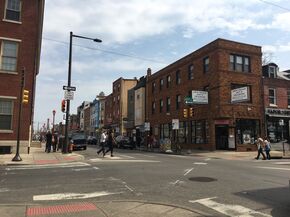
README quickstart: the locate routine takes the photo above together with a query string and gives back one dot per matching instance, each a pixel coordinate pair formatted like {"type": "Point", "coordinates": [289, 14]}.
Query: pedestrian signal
{"type": "Point", "coordinates": [191, 112]}
{"type": "Point", "coordinates": [185, 113]}
{"type": "Point", "coordinates": [63, 105]}
{"type": "Point", "coordinates": [25, 96]}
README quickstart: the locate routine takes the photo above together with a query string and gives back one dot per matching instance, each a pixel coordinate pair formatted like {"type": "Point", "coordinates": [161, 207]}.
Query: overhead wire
{"type": "Point", "coordinates": [275, 5]}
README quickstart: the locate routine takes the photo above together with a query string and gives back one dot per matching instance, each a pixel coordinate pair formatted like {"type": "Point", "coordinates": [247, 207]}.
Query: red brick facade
{"type": "Point", "coordinates": [219, 116]}
{"type": "Point", "coordinates": [27, 32]}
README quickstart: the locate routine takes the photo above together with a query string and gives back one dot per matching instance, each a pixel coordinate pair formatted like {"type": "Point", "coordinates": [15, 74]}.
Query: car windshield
{"type": "Point", "coordinates": [78, 136]}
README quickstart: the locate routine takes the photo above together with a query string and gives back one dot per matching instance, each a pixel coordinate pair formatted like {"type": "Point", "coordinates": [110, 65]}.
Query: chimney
{"type": "Point", "coordinates": [148, 72]}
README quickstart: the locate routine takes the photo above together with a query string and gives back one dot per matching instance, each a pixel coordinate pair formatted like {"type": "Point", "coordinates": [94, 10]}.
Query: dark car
{"type": "Point", "coordinates": [91, 140]}
{"type": "Point", "coordinates": [124, 142]}
{"type": "Point", "coordinates": [79, 141]}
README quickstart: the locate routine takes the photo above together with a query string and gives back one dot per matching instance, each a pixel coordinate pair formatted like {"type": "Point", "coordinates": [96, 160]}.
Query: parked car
{"type": "Point", "coordinates": [79, 141]}
{"type": "Point", "coordinates": [124, 142]}
{"type": "Point", "coordinates": [91, 140]}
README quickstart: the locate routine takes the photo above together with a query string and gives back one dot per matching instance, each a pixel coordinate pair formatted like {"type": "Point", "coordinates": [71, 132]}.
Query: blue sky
{"type": "Point", "coordinates": [156, 30]}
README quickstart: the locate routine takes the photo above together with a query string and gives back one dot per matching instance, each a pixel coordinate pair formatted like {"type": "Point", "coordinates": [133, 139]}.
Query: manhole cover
{"type": "Point", "coordinates": [202, 179]}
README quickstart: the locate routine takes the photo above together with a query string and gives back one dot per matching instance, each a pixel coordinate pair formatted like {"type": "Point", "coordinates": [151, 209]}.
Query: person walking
{"type": "Point", "coordinates": [111, 142]}
{"type": "Point", "coordinates": [54, 142]}
{"type": "Point", "coordinates": [102, 143]}
{"type": "Point", "coordinates": [267, 148]}
{"type": "Point", "coordinates": [260, 145]}
{"type": "Point", "coordinates": [48, 142]}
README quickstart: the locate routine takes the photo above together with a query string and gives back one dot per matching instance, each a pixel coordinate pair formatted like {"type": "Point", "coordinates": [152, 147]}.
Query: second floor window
{"type": "Point", "coordinates": [9, 51]}
{"type": "Point", "coordinates": [272, 96]}
{"type": "Point", "coordinates": [178, 101]}
{"type": "Point", "coordinates": [153, 87]}
{"type": "Point", "coordinates": [239, 63]}
{"type": "Point", "coordinates": [161, 105]}
{"type": "Point", "coordinates": [178, 78]}
{"type": "Point", "coordinates": [190, 72]}
{"type": "Point", "coordinates": [13, 8]}
{"type": "Point", "coordinates": [168, 104]}
{"type": "Point", "coordinates": [153, 107]}
{"type": "Point", "coordinates": [161, 83]}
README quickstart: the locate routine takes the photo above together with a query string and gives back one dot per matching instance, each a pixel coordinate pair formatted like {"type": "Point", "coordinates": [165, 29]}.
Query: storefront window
{"type": "Point", "coordinates": [199, 132]}
{"type": "Point", "coordinates": [247, 131]}
{"type": "Point", "coordinates": [274, 130]}
{"type": "Point", "coordinates": [182, 132]}
{"type": "Point", "coordinates": [165, 131]}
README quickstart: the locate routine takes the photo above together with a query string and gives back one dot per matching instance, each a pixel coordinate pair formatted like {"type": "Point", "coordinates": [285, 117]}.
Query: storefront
{"type": "Point", "coordinates": [277, 124]}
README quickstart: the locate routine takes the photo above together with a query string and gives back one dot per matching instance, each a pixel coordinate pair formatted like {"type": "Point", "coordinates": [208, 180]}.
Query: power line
{"type": "Point", "coordinates": [270, 3]}
{"type": "Point", "coordinates": [106, 51]}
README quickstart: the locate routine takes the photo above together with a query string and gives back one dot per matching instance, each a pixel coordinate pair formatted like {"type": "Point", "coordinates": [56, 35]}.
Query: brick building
{"type": "Point", "coordinates": [20, 40]}
{"type": "Point", "coordinates": [228, 74]}
{"type": "Point", "coordinates": [277, 103]}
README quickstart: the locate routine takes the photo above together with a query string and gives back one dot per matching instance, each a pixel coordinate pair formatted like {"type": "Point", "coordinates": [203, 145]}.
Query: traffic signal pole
{"type": "Point", "coordinates": [17, 156]}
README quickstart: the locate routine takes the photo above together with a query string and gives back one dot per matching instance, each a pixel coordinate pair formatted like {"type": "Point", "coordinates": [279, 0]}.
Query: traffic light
{"type": "Point", "coordinates": [191, 112]}
{"type": "Point", "coordinates": [25, 96]}
{"type": "Point", "coordinates": [185, 113]}
{"type": "Point", "coordinates": [63, 105]}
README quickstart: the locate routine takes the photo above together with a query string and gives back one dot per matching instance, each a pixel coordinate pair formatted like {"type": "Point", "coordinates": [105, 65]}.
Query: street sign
{"type": "Point", "coordinates": [68, 95]}
{"type": "Point", "coordinates": [175, 124]}
{"type": "Point", "coordinates": [69, 88]}
{"type": "Point", "coordinates": [147, 126]}
{"type": "Point", "coordinates": [188, 100]}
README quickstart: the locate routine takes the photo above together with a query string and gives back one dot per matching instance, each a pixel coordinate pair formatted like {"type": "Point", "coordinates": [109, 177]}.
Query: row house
{"type": "Point", "coordinates": [20, 44]}
{"type": "Point", "coordinates": [232, 115]}
{"type": "Point", "coordinates": [276, 86]}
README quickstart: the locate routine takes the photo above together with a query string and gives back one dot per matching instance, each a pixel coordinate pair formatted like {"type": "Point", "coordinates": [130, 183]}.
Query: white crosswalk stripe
{"type": "Point", "coordinates": [48, 166]}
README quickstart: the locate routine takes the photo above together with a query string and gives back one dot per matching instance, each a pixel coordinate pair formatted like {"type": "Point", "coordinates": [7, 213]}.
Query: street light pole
{"type": "Point", "coordinates": [53, 115]}
{"type": "Point", "coordinates": [65, 145]}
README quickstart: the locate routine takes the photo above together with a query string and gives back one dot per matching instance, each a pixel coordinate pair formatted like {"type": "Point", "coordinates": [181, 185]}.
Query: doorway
{"type": "Point", "coordinates": [222, 137]}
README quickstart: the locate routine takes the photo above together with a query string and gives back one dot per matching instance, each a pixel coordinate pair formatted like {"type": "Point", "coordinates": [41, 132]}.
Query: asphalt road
{"type": "Point", "coordinates": [215, 187]}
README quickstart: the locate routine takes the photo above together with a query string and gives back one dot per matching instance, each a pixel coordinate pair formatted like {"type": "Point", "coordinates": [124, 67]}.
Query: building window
{"type": "Point", "coordinates": [168, 104]}
{"type": "Point", "coordinates": [199, 132]}
{"type": "Point", "coordinates": [168, 81]}
{"type": "Point", "coordinates": [182, 133]}
{"type": "Point", "coordinates": [153, 107]}
{"type": "Point", "coordinates": [178, 101]}
{"type": "Point", "coordinates": [165, 131]}
{"type": "Point", "coordinates": [13, 8]}
{"type": "Point", "coordinates": [153, 87]}
{"type": "Point", "coordinates": [178, 78]}
{"type": "Point", "coordinates": [239, 63]}
{"type": "Point", "coordinates": [6, 112]}
{"type": "Point", "coordinates": [272, 72]}
{"type": "Point", "coordinates": [190, 72]}
{"type": "Point", "coordinates": [9, 56]}
{"type": "Point", "coordinates": [247, 131]}
{"type": "Point", "coordinates": [205, 64]}
{"type": "Point", "coordinates": [288, 96]}
{"type": "Point", "coordinates": [161, 82]}
{"type": "Point", "coordinates": [272, 96]}
{"type": "Point", "coordinates": [160, 105]}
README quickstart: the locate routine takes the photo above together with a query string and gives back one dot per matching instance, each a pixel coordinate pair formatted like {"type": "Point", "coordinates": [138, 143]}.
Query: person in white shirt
{"type": "Point", "coordinates": [102, 143]}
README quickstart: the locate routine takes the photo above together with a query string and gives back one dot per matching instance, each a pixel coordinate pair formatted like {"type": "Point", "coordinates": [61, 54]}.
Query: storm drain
{"type": "Point", "coordinates": [202, 179]}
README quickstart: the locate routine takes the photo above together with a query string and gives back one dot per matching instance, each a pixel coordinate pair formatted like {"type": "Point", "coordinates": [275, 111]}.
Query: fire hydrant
{"type": "Point", "coordinates": [70, 147]}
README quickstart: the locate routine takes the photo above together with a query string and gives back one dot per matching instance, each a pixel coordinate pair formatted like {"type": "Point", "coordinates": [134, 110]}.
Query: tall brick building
{"type": "Point", "coordinates": [231, 74]}
{"type": "Point", "coordinates": [20, 41]}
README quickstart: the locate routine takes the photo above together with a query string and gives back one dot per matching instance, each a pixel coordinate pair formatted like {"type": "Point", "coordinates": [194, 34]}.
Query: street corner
{"type": "Point", "coordinates": [71, 157]}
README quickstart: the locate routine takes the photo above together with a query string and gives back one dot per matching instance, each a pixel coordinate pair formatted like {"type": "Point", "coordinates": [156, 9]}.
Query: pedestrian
{"type": "Point", "coordinates": [48, 142]}
{"type": "Point", "coordinates": [267, 148]}
{"type": "Point", "coordinates": [260, 146]}
{"type": "Point", "coordinates": [110, 141]}
{"type": "Point", "coordinates": [102, 143]}
{"type": "Point", "coordinates": [54, 142]}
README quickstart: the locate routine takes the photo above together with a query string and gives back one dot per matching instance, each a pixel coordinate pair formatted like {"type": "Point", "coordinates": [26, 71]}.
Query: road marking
{"type": "Point", "coordinates": [83, 169]}
{"type": "Point", "coordinates": [228, 209]}
{"type": "Point", "coordinates": [4, 190]}
{"type": "Point", "coordinates": [130, 189]}
{"type": "Point", "coordinates": [48, 166]}
{"type": "Point", "coordinates": [174, 183]}
{"type": "Point", "coordinates": [282, 163]}
{"type": "Point", "coordinates": [187, 171]}
{"type": "Point", "coordinates": [72, 196]}
{"type": "Point", "coordinates": [126, 156]}
{"type": "Point", "coordinates": [146, 155]}
{"type": "Point", "coordinates": [274, 168]}
{"type": "Point", "coordinates": [207, 159]}
{"type": "Point", "coordinates": [200, 163]}
{"type": "Point", "coordinates": [123, 160]}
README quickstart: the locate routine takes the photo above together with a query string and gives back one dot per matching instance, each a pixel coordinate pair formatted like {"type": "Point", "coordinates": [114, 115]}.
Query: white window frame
{"type": "Point", "coordinates": [5, 12]}
{"type": "Point", "coordinates": [274, 73]}
{"type": "Point", "coordinates": [1, 55]}
{"type": "Point", "coordinates": [275, 97]}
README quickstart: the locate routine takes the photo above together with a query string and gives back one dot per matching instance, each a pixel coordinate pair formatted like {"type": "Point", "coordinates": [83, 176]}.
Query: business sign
{"type": "Point", "coordinates": [199, 97]}
{"type": "Point", "coordinates": [68, 95]}
{"type": "Point", "coordinates": [240, 94]}
{"type": "Point", "coordinates": [69, 88]}
{"type": "Point", "coordinates": [175, 124]}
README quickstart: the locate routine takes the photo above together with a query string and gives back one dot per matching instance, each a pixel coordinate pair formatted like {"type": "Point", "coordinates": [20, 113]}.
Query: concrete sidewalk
{"type": "Point", "coordinates": [38, 156]}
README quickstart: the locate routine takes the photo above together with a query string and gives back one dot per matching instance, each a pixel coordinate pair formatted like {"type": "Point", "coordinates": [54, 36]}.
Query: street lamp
{"type": "Point", "coordinates": [53, 113]}
{"type": "Point", "coordinates": [65, 145]}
